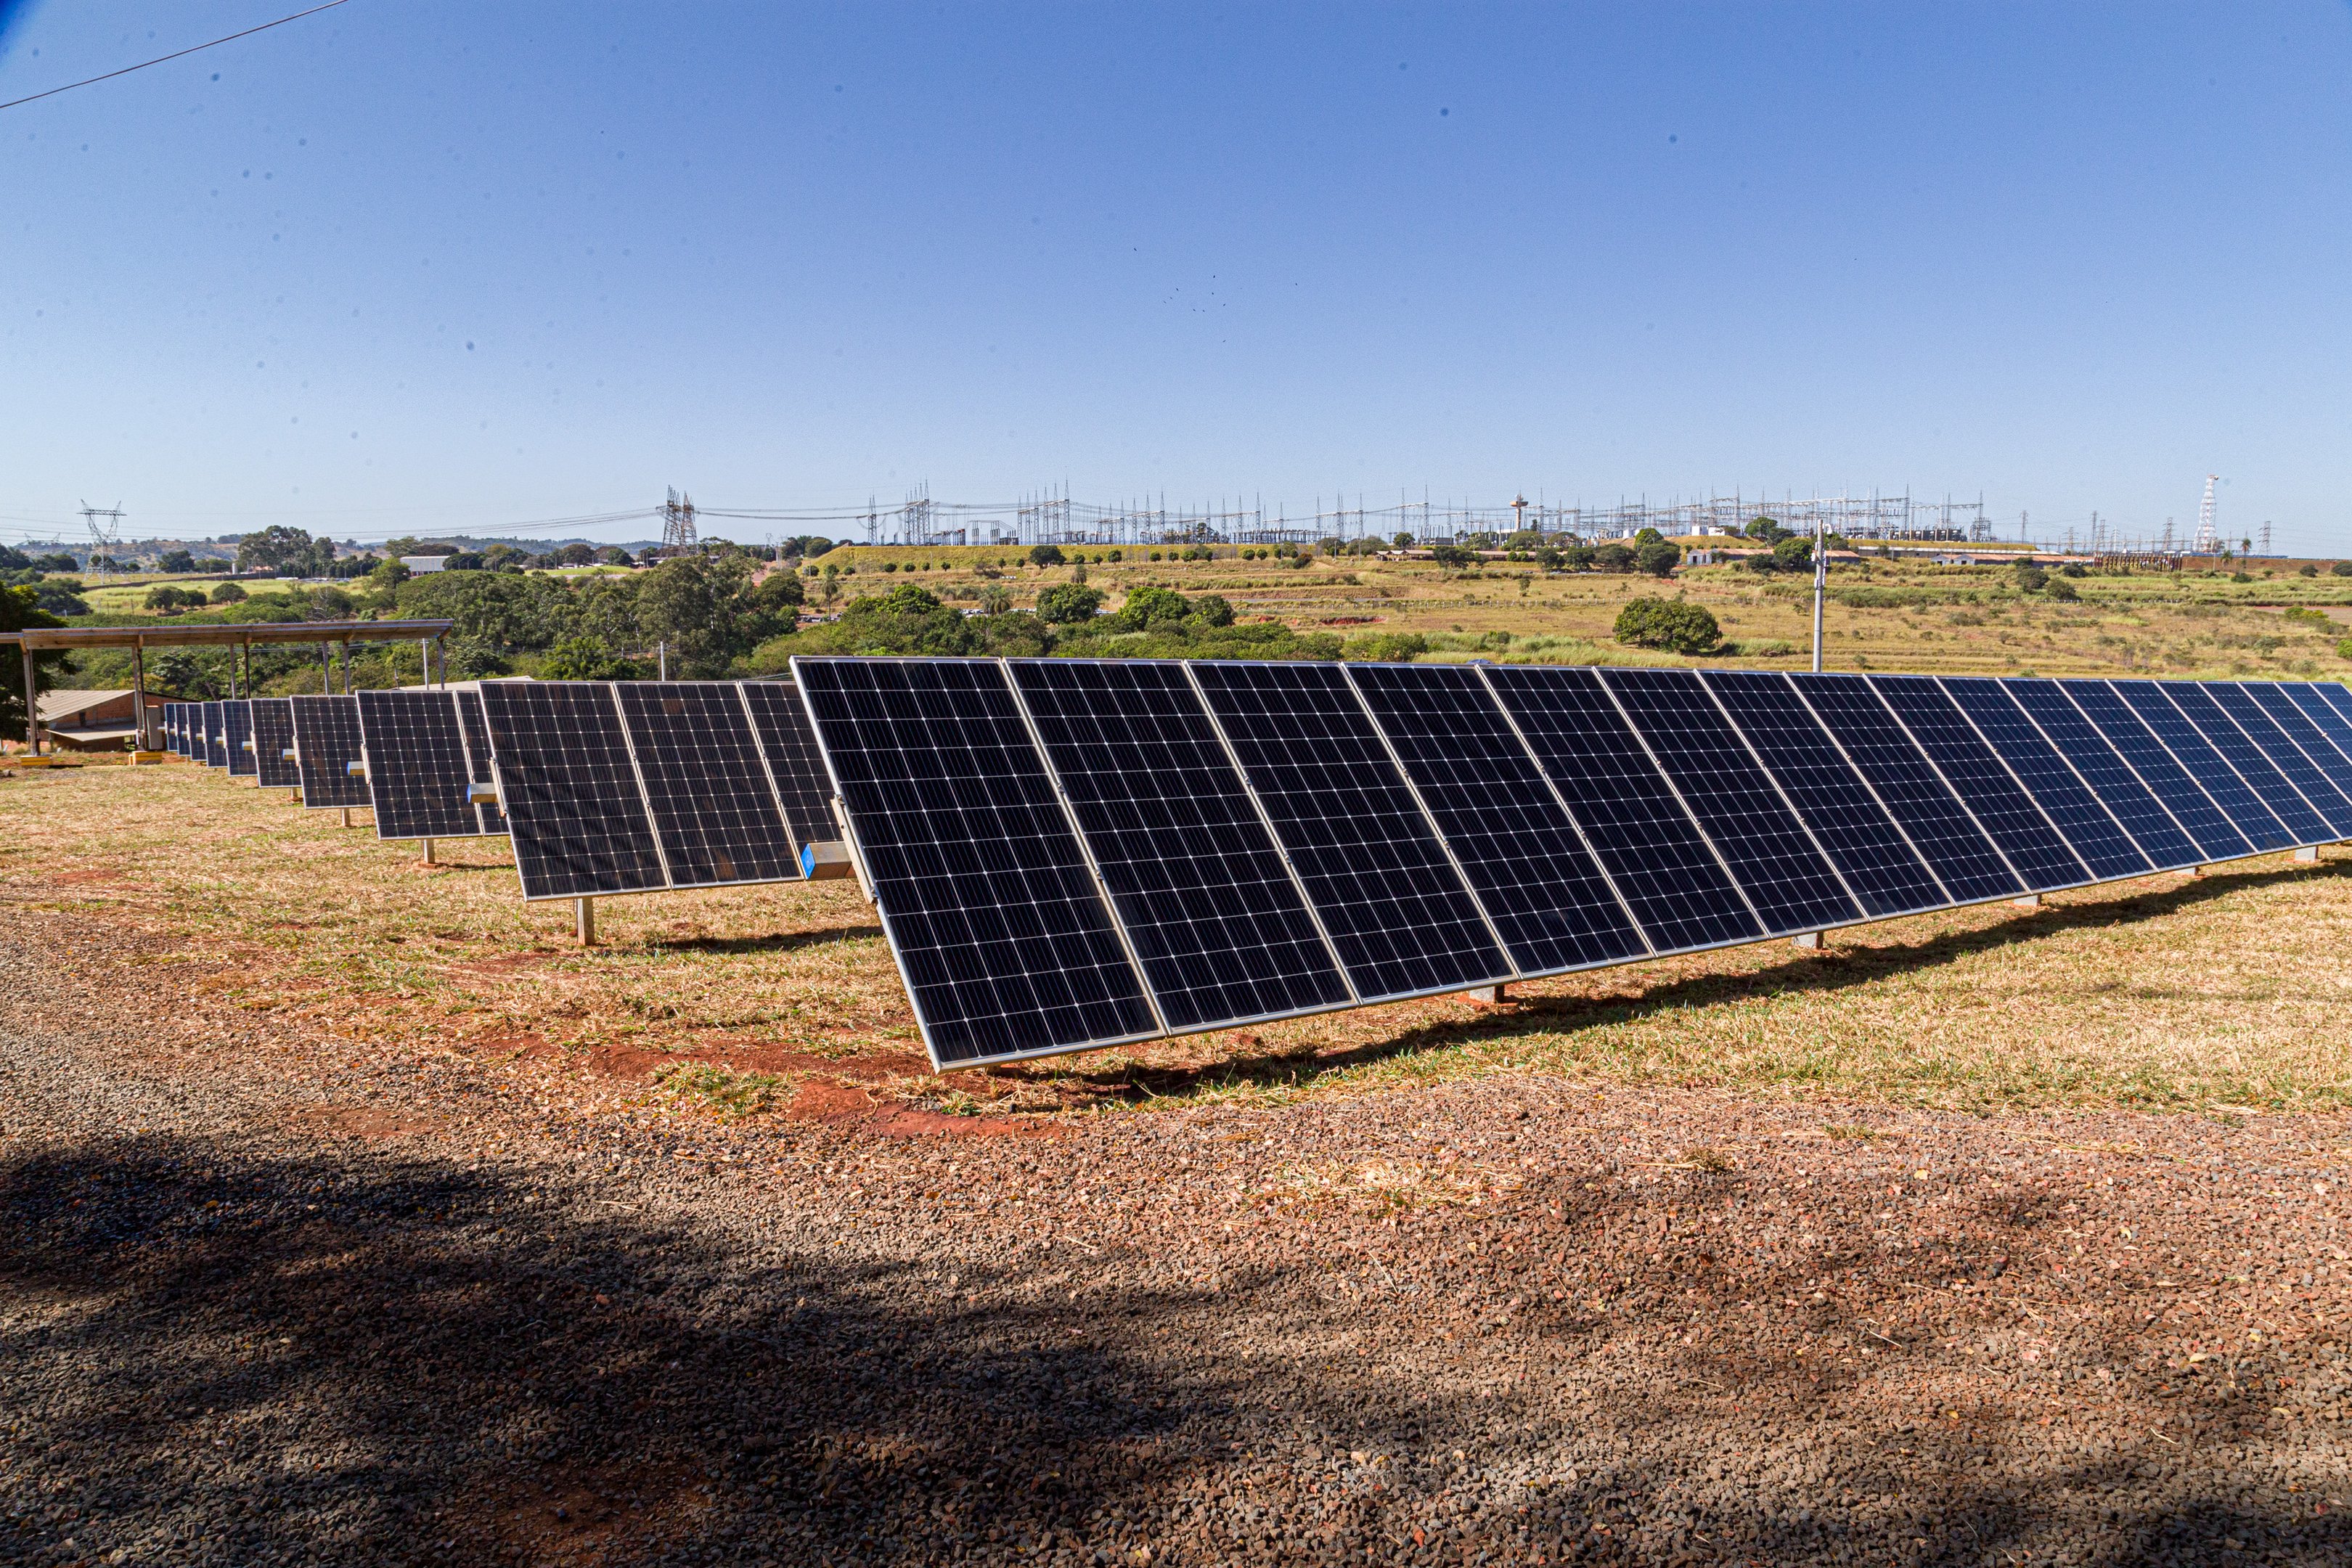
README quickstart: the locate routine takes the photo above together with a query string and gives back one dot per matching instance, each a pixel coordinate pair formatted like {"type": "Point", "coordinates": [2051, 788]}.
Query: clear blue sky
{"type": "Point", "coordinates": [410, 266]}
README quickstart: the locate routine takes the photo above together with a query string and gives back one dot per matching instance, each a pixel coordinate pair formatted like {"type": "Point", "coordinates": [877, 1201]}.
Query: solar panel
{"type": "Point", "coordinates": [2124, 793]}
{"type": "Point", "coordinates": [794, 762]}
{"type": "Point", "coordinates": [2211, 769]}
{"type": "Point", "coordinates": [273, 737]}
{"type": "Point", "coordinates": [326, 743]}
{"type": "Point", "coordinates": [1931, 815]}
{"type": "Point", "coordinates": [476, 736]}
{"type": "Point", "coordinates": [215, 737]}
{"type": "Point", "coordinates": [2197, 812]}
{"type": "Point", "coordinates": [2305, 787]}
{"type": "Point", "coordinates": [2334, 696]}
{"type": "Point", "coordinates": [1400, 915]}
{"type": "Point", "coordinates": [417, 770]}
{"type": "Point", "coordinates": [2227, 736]}
{"type": "Point", "coordinates": [2298, 727]}
{"type": "Point", "coordinates": [237, 725]}
{"type": "Point", "coordinates": [712, 807]}
{"type": "Point", "coordinates": [1003, 938]}
{"type": "Point", "coordinates": [1771, 853]}
{"type": "Point", "coordinates": [2088, 827]}
{"type": "Point", "coordinates": [180, 728]}
{"type": "Point", "coordinates": [1549, 900]}
{"type": "Point", "coordinates": [2006, 814]}
{"type": "Point", "coordinates": [573, 804]}
{"type": "Point", "coordinates": [1207, 901]}
{"type": "Point", "coordinates": [1676, 888]}
{"type": "Point", "coordinates": [2336, 727]}
{"type": "Point", "coordinates": [1847, 820]}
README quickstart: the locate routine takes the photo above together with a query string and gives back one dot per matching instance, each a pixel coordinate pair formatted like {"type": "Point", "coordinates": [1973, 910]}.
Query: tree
{"type": "Point", "coordinates": [227, 594]}
{"type": "Point", "coordinates": [20, 611]}
{"type": "Point", "coordinates": [170, 600]}
{"type": "Point", "coordinates": [2059, 588]}
{"type": "Point", "coordinates": [1212, 610]}
{"type": "Point", "coordinates": [14, 559]}
{"type": "Point", "coordinates": [284, 552]}
{"type": "Point", "coordinates": [1614, 558]}
{"type": "Point", "coordinates": [57, 561]}
{"type": "Point", "coordinates": [1674, 624]}
{"type": "Point", "coordinates": [1148, 607]}
{"type": "Point", "coordinates": [173, 561]}
{"type": "Point", "coordinates": [1045, 555]}
{"type": "Point", "coordinates": [1069, 603]}
{"type": "Point", "coordinates": [574, 555]}
{"type": "Point", "coordinates": [1403, 540]}
{"type": "Point", "coordinates": [1658, 558]}
{"type": "Point", "coordinates": [1648, 536]}
{"type": "Point", "coordinates": [178, 673]}
{"type": "Point", "coordinates": [1453, 555]}
{"type": "Point", "coordinates": [996, 599]}
{"type": "Point", "coordinates": [1767, 530]}
{"type": "Point", "coordinates": [61, 597]}
{"type": "Point", "coordinates": [1792, 553]}
{"type": "Point", "coordinates": [614, 555]}
{"type": "Point", "coordinates": [2031, 579]}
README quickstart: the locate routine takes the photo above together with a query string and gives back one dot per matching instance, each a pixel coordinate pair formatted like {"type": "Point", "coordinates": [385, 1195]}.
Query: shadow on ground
{"type": "Point", "coordinates": [370, 1357]}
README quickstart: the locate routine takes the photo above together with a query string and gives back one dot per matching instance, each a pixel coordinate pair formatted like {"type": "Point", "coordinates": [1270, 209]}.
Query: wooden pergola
{"type": "Point", "coordinates": [427, 634]}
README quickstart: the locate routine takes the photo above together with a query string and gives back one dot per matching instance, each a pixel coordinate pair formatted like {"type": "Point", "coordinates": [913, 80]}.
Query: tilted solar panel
{"type": "Point", "coordinates": [574, 807]}
{"type": "Point", "coordinates": [417, 770]}
{"type": "Point", "coordinates": [237, 726]}
{"type": "Point", "coordinates": [1001, 934]}
{"type": "Point", "coordinates": [2154, 829]}
{"type": "Point", "coordinates": [1771, 853]}
{"type": "Point", "coordinates": [2002, 807]}
{"type": "Point", "coordinates": [1672, 880]}
{"type": "Point", "coordinates": [215, 738]}
{"type": "Point", "coordinates": [1847, 820]}
{"type": "Point", "coordinates": [2335, 726]}
{"type": "Point", "coordinates": [326, 743]}
{"type": "Point", "coordinates": [1208, 903]}
{"type": "Point", "coordinates": [2078, 814]}
{"type": "Point", "coordinates": [2333, 696]}
{"type": "Point", "coordinates": [1398, 911]}
{"type": "Point", "coordinates": [2297, 726]}
{"type": "Point", "coordinates": [700, 762]}
{"type": "Point", "coordinates": [273, 737]}
{"type": "Point", "coordinates": [2229, 738]}
{"type": "Point", "coordinates": [2208, 766]}
{"type": "Point", "coordinates": [2199, 814]}
{"type": "Point", "coordinates": [795, 766]}
{"type": "Point", "coordinates": [1899, 774]}
{"type": "Point", "coordinates": [1509, 833]}
{"type": "Point", "coordinates": [2305, 787]}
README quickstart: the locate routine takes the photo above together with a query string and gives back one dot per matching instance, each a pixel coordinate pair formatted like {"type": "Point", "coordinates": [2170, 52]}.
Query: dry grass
{"type": "Point", "coordinates": [2169, 992]}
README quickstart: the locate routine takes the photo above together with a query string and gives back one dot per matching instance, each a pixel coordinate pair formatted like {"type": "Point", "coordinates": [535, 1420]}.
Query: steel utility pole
{"type": "Point", "coordinates": [1821, 585]}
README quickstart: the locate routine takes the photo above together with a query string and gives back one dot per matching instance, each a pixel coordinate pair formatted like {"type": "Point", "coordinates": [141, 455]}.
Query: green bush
{"type": "Point", "coordinates": [2342, 569]}
{"type": "Point", "coordinates": [2059, 588]}
{"type": "Point", "coordinates": [585, 658]}
{"type": "Point", "coordinates": [1069, 604]}
{"type": "Point", "coordinates": [2031, 579]}
{"type": "Point", "coordinates": [1614, 558]}
{"type": "Point", "coordinates": [1675, 624]}
{"type": "Point", "coordinates": [2343, 648]}
{"type": "Point", "coordinates": [228, 594]}
{"type": "Point", "coordinates": [2307, 616]}
{"type": "Point", "coordinates": [1389, 647]}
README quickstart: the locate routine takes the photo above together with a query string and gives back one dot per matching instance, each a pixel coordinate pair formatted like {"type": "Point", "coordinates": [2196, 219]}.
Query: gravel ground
{"type": "Point", "coordinates": [266, 1299]}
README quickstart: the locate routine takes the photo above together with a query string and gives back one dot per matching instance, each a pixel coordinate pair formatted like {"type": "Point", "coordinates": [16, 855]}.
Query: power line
{"type": "Point", "coordinates": [159, 59]}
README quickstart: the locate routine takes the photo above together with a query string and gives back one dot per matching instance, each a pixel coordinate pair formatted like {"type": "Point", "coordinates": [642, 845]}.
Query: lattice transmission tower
{"type": "Point", "coordinates": [105, 538]}
{"type": "Point", "coordinates": [677, 525]}
{"type": "Point", "coordinates": [2207, 544]}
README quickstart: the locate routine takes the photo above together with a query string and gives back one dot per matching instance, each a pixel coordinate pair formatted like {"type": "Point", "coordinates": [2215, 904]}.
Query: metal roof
{"type": "Point", "coordinates": [234, 634]}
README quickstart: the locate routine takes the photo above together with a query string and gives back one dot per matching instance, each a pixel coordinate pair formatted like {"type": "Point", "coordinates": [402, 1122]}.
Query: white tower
{"type": "Point", "coordinates": [2206, 542]}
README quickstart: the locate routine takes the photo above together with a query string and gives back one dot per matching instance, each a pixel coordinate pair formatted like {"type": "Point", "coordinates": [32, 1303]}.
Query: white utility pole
{"type": "Point", "coordinates": [1820, 583]}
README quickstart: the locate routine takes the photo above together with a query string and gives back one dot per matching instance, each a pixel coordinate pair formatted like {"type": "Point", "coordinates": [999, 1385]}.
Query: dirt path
{"type": "Point", "coordinates": [267, 1299]}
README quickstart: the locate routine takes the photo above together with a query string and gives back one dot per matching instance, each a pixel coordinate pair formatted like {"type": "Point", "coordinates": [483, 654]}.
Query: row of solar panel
{"type": "Point", "coordinates": [605, 787]}
{"type": "Point", "coordinates": [1069, 853]}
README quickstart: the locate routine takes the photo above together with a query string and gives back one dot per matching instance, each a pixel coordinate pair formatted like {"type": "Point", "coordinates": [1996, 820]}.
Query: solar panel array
{"type": "Point", "coordinates": [421, 771]}
{"type": "Point", "coordinates": [1069, 855]}
{"type": "Point", "coordinates": [630, 787]}
{"type": "Point", "coordinates": [273, 743]}
{"type": "Point", "coordinates": [326, 745]}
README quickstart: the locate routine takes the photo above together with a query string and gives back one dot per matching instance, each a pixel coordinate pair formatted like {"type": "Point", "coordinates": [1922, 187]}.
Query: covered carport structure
{"type": "Point", "coordinates": [429, 635]}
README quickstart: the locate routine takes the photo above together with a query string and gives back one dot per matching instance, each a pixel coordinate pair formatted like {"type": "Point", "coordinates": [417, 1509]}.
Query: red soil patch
{"type": "Point", "coordinates": [908, 1122]}
{"type": "Point", "coordinates": [820, 1100]}
{"type": "Point", "coordinates": [360, 1122]}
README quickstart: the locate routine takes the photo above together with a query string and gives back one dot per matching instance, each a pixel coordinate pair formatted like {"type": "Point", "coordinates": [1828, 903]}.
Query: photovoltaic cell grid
{"type": "Point", "coordinates": [1213, 913]}
{"type": "Point", "coordinates": [1398, 913]}
{"type": "Point", "coordinates": [326, 743]}
{"type": "Point", "coordinates": [273, 737]}
{"type": "Point", "coordinates": [1847, 820]}
{"type": "Point", "coordinates": [1516, 844]}
{"type": "Point", "coordinates": [416, 768]}
{"type": "Point", "coordinates": [794, 762]}
{"type": "Point", "coordinates": [213, 743]}
{"type": "Point", "coordinates": [1072, 855]}
{"type": "Point", "coordinates": [704, 785]}
{"type": "Point", "coordinates": [1005, 941]}
{"type": "Point", "coordinates": [574, 805]}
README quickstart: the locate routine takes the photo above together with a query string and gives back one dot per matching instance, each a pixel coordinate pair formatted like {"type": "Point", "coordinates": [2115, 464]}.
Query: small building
{"type": "Point", "coordinates": [92, 720]}
{"type": "Point", "coordinates": [425, 562]}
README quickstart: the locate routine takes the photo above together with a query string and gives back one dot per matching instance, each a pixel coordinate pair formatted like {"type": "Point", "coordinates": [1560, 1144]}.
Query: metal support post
{"type": "Point", "coordinates": [147, 742]}
{"type": "Point", "coordinates": [32, 707]}
{"type": "Point", "coordinates": [2308, 854]}
{"type": "Point", "coordinates": [347, 816]}
{"type": "Point", "coordinates": [428, 854]}
{"type": "Point", "coordinates": [1811, 940]}
{"type": "Point", "coordinates": [325, 672]}
{"type": "Point", "coordinates": [584, 920]}
{"type": "Point", "coordinates": [2031, 901]}
{"type": "Point", "coordinates": [661, 653]}
{"type": "Point", "coordinates": [1821, 585]}
{"type": "Point", "coordinates": [1493, 995]}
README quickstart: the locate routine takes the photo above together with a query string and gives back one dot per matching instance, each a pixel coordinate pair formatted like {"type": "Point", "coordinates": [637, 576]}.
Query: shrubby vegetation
{"type": "Point", "coordinates": [1676, 626]}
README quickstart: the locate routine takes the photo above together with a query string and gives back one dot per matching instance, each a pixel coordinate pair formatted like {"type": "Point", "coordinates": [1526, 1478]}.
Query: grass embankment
{"type": "Point", "coordinates": [2165, 992]}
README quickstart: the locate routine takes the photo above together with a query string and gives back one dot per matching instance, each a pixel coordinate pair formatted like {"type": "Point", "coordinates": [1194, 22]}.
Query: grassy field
{"type": "Point", "coordinates": [2169, 992]}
